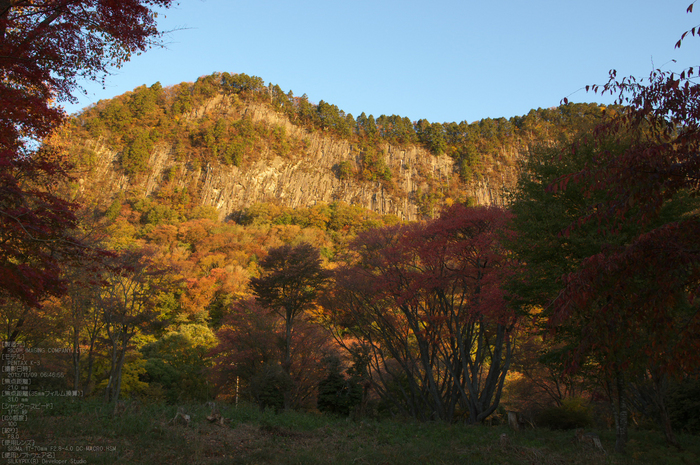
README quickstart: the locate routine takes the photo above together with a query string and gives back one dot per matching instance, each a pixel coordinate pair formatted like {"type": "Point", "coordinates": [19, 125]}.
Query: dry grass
{"type": "Point", "coordinates": [148, 436]}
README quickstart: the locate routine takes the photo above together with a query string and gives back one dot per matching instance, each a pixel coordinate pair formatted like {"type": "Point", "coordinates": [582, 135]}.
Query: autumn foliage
{"type": "Point", "coordinates": [45, 47]}
{"type": "Point", "coordinates": [655, 277]}
{"type": "Point", "coordinates": [636, 301]}
{"type": "Point", "coordinates": [422, 304]}
{"type": "Point", "coordinates": [419, 319]}
{"type": "Point", "coordinates": [248, 359]}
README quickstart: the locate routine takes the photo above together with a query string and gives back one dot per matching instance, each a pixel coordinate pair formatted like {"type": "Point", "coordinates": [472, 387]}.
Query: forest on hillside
{"type": "Point", "coordinates": [575, 305]}
{"type": "Point", "coordinates": [135, 122]}
{"type": "Point", "coordinates": [206, 141]}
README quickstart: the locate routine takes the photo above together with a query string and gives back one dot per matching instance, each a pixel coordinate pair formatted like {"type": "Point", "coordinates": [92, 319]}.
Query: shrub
{"type": "Point", "coordinates": [344, 170]}
{"type": "Point", "coordinates": [573, 413]}
{"type": "Point", "coordinates": [684, 405]}
{"type": "Point", "coordinates": [337, 394]}
{"type": "Point", "coordinates": [269, 385]}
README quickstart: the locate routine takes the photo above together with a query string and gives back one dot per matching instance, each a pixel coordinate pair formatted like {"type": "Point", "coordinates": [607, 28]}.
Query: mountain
{"type": "Point", "coordinates": [230, 142]}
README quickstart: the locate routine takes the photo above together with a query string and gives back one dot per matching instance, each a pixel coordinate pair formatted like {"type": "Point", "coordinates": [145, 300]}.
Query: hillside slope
{"type": "Point", "coordinates": [229, 142]}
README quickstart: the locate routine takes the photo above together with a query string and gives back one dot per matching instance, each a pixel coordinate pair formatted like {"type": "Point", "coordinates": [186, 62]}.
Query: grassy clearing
{"type": "Point", "coordinates": [146, 435]}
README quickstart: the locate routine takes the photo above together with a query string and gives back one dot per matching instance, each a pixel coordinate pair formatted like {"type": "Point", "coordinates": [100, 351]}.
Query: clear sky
{"type": "Point", "coordinates": [442, 60]}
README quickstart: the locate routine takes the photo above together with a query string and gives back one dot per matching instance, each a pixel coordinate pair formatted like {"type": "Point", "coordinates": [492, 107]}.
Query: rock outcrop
{"type": "Point", "coordinates": [292, 180]}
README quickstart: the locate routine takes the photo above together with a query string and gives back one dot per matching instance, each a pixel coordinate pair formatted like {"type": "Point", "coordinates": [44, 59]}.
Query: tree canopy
{"type": "Point", "coordinates": [422, 304]}
{"type": "Point", "coordinates": [45, 47]}
{"type": "Point", "coordinates": [639, 295]}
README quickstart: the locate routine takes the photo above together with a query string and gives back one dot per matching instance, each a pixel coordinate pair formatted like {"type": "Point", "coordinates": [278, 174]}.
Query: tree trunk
{"type": "Point", "coordinates": [288, 358]}
{"type": "Point", "coordinates": [91, 356]}
{"type": "Point", "coordinates": [438, 408]}
{"type": "Point", "coordinates": [12, 337]}
{"type": "Point", "coordinates": [668, 429]}
{"type": "Point", "coordinates": [109, 391]}
{"type": "Point", "coordinates": [660, 389]}
{"type": "Point", "coordinates": [88, 378]}
{"type": "Point", "coordinates": [76, 359]}
{"type": "Point", "coordinates": [621, 414]}
{"type": "Point", "coordinates": [118, 381]}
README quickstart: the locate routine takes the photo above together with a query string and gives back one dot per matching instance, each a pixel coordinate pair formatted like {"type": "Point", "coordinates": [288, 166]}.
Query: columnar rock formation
{"type": "Point", "coordinates": [292, 180]}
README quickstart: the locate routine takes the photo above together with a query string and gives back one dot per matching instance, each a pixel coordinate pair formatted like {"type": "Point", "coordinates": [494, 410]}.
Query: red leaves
{"type": "Point", "coordinates": [428, 295]}
{"type": "Point", "coordinates": [34, 234]}
{"type": "Point", "coordinates": [248, 338]}
{"type": "Point", "coordinates": [457, 257]}
{"type": "Point", "coordinates": [643, 292]}
{"type": "Point", "coordinates": [637, 297]}
{"type": "Point", "coordinates": [73, 39]}
{"type": "Point", "coordinates": [692, 31]}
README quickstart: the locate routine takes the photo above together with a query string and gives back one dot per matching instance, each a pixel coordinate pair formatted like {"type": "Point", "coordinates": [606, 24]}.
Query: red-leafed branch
{"type": "Point", "coordinates": [45, 47]}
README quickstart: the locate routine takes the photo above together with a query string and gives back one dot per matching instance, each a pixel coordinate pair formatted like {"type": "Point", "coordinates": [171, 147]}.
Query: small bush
{"type": "Point", "coordinates": [573, 413]}
{"type": "Point", "coordinates": [344, 170]}
{"type": "Point", "coordinates": [683, 405]}
{"type": "Point", "coordinates": [338, 395]}
{"type": "Point", "coordinates": [269, 385]}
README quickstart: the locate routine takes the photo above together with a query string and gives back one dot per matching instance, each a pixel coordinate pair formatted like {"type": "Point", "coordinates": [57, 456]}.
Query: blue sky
{"type": "Point", "coordinates": [442, 60]}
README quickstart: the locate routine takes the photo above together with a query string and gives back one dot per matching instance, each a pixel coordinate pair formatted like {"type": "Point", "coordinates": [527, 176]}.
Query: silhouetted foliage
{"type": "Point", "coordinates": [336, 393]}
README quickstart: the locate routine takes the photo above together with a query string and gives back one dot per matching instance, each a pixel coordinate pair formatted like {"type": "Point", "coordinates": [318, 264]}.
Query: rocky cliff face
{"type": "Point", "coordinates": [300, 180]}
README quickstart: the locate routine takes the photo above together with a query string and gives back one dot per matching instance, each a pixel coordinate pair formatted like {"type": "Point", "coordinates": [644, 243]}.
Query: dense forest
{"type": "Point", "coordinates": [337, 308]}
{"type": "Point", "coordinates": [224, 141]}
{"type": "Point", "coordinates": [135, 122]}
{"type": "Point", "coordinates": [575, 304]}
